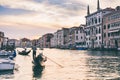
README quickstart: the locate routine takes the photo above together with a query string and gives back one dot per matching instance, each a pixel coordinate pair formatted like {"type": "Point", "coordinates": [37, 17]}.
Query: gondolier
{"type": "Point", "coordinates": [39, 60]}
{"type": "Point", "coordinates": [34, 51]}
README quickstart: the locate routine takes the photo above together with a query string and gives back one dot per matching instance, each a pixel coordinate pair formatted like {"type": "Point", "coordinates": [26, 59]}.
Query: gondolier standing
{"type": "Point", "coordinates": [34, 51]}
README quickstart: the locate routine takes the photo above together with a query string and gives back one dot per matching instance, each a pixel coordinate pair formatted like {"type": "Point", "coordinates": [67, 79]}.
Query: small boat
{"type": "Point", "coordinates": [81, 47]}
{"type": "Point", "coordinates": [6, 54]}
{"type": "Point", "coordinates": [24, 52]}
{"type": "Point", "coordinates": [6, 64]}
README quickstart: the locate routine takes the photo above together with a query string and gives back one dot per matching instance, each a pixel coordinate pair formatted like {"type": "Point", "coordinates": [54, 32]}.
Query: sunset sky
{"type": "Point", "coordinates": [33, 18]}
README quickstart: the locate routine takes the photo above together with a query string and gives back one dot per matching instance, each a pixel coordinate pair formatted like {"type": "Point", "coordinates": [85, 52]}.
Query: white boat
{"type": "Point", "coordinates": [6, 64]}
{"type": "Point", "coordinates": [6, 54]}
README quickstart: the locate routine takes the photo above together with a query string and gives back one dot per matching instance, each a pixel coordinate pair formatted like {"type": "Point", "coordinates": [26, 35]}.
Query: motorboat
{"type": "Point", "coordinates": [6, 54]}
{"type": "Point", "coordinates": [6, 64]}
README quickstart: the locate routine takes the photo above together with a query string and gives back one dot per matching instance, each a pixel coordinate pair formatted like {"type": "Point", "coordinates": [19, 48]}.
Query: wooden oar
{"type": "Point", "coordinates": [54, 61]}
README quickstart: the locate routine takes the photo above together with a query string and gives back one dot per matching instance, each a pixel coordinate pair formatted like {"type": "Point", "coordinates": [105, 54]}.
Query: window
{"type": "Point", "coordinates": [92, 21]}
{"type": "Point", "coordinates": [99, 30]}
{"type": "Point", "coordinates": [81, 37]}
{"type": "Point", "coordinates": [96, 31]}
{"type": "Point", "coordinates": [96, 38]}
{"type": "Point", "coordinates": [99, 37]}
{"type": "Point", "coordinates": [76, 37]}
{"type": "Point", "coordinates": [99, 19]}
{"type": "Point", "coordinates": [80, 31]}
{"type": "Point", "coordinates": [104, 26]}
{"type": "Point", "coordinates": [96, 20]}
{"type": "Point", "coordinates": [76, 31]}
{"type": "Point", "coordinates": [104, 35]}
{"type": "Point", "coordinates": [108, 34]}
{"type": "Point", "coordinates": [108, 26]}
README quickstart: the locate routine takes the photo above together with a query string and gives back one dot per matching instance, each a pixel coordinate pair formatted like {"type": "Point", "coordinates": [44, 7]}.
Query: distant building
{"type": "Point", "coordinates": [71, 42]}
{"type": "Point", "coordinates": [94, 23]}
{"type": "Point", "coordinates": [80, 36]}
{"type": "Point", "coordinates": [111, 29]}
{"type": "Point", "coordinates": [13, 42]}
{"type": "Point", "coordinates": [1, 39]}
{"type": "Point", "coordinates": [5, 41]}
{"type": "Point", "coordinates": [40, 42]}
{"type": "Point", "coordinates": [54, 40]}
{"type": "Point", "coordinates": [24, 42]}
{"type": "Point", "coordinates": [35, 42]}
{"type": "Point", "coordinates": [45, 40]}
{"type": "Point", "coordinates": [63, 37]}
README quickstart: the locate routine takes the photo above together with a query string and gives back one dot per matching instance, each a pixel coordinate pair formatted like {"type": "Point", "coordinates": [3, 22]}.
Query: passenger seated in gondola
{"type": "Point", "coordinates": [25, 49]}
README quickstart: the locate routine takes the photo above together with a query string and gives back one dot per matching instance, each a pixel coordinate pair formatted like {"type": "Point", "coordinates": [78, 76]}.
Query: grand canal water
{"type": "Point", "coordinates": [77, 65]}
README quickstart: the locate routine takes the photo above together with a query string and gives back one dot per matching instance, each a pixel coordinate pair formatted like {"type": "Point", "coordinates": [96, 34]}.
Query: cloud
{"type": "Point", "coordinates": [10, 11]}
{"type": "Point", "coordinates": [44, 14]}
{"type": "Point", "coordinates": [67, 4]}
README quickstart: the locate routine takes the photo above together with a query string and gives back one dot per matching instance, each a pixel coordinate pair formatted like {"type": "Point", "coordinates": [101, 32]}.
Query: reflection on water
{"type": "Point", "coordinates": [6, 75]}
{"type": "Point", "coordinates": [37, 71]}
{"type": "Point", "coordinates": [6, 72]}
{"type": "Point", "coordinates": [104, 65]}
{"type": "Point", "coordinates": [77, 65]}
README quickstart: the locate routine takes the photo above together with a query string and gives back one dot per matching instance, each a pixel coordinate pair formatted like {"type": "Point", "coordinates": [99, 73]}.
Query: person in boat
{"type": "Point", "coordinates": [25, 49]}
{"type": "Point", "coordinates": [34, 51]}
{"type": "Point", "coordinates": [40, 58]}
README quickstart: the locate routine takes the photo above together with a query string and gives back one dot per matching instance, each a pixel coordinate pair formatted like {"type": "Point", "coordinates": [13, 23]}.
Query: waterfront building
{"type": "Point", "coordinates": [35, 42]}
{"type": "Point", "coordinates": [17, 43]}
{"type": "Point", "coordinates": [71, 42]}
{"type": "Point", "coordinates": [5, 41]}
{"type": "Point", "coordinates": [45, 40]}
{"type": "Point", "coordinates": [80, 36]}
{"type": "Point", "coordinates": [1, 39]}
{"type": "Point", "coordinates": [13, 42]}
{"type": "Point", "coordinates": [40, 42]}
{"type": "Point", "coordinates": [24, 42]}
{"type": "Point", "coordinates": [54, 40]}
{"type": "Point", "coordinates": [111, 29]}
{"type": "Point", "coordinates": [93, 29]}
{"type": "Point", "coordinates": [62, 36]}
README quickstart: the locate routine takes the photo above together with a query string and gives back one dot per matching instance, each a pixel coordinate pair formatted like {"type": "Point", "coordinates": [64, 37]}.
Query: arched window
{"type": "Point", "coordinates": [99, 19]}
{"type": "Point", "coordinates": [99, 30]}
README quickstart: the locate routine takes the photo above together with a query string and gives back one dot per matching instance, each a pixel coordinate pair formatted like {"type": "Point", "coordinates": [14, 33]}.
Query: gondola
{"type": "Point", "coordinates": [24, 52]}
